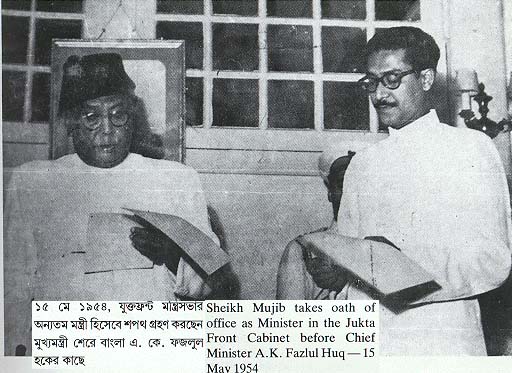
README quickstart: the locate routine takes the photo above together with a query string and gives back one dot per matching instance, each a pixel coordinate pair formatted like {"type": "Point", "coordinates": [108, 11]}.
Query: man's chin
{"type": "Point", "coordinates": [387, 122]}
{"type": "Point", "coordinates": [390, 121]}
{"type": "Point", "coordinates": [104, 160]}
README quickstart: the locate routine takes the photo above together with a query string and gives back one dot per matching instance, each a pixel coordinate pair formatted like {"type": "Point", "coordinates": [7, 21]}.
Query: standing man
{"type": "Point", "coordinates": [437, 192]}
{"type": "Point", "coordinates": [50, 204]}
{"type": "Point", "coordinates": [301, 274]}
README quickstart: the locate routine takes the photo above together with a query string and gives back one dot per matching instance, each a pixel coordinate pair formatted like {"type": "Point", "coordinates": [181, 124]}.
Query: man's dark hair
{"type": "Point", "coordinates": [335, 169]}
{"type": "Point", "coordinates": [421, 50]}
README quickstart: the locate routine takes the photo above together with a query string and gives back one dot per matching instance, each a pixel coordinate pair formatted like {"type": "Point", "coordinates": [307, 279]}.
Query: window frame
{"type": "Point", "coordinates": [28, 131]}
{"type": "Point", "coordinates": [221, 143]}
{"type": "Point", "coordinates": [263, 137]}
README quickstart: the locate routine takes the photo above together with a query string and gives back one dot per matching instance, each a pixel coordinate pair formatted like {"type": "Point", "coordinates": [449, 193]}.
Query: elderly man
{"type": "Point", "coordinates": [437, 192]}
{"type": "Point", "coordinates": [301, 274]}
{"type": "Point", "coordinates": [50, 204]}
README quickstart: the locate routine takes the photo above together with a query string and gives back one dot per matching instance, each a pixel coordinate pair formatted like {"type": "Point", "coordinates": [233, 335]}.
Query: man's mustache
{"type": "Point", "coordinates": [383, 103]}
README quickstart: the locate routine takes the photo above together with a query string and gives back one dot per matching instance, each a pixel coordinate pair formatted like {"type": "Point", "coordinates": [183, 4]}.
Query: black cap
{"type": "Point", "coordinates": [92, 76]}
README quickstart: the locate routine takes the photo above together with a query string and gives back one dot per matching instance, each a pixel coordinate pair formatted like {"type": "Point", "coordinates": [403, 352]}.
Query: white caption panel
{"type": "Point", "coordinates": [211, 336]}
{"type": "Point", "coordinates": [290, 336]}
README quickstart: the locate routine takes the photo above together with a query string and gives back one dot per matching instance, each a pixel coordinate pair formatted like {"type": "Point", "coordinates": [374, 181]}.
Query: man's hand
{"type": "Point", "coordinates": [156, 246]}
{"type": "Point", "coordinates": [325, 273]}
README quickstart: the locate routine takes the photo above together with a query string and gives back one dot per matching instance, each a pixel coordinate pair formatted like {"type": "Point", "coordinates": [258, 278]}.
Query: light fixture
{"type": "Point", "coordinates": [469, 88]}
{"type": "Point", "coordinates": [467, 84]}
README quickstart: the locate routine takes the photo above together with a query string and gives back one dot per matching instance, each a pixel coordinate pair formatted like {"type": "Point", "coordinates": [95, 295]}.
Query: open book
{"type": "Point", "coordinates": [381, 267]}
{"type": "Point", "coordinates": [109, 246]}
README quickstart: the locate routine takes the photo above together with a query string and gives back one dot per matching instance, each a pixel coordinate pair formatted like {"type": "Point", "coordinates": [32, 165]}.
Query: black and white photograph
{"type": "Point", "coordinates": [156, 69]}
{"type": "Point", "coordinates": [192, 150]}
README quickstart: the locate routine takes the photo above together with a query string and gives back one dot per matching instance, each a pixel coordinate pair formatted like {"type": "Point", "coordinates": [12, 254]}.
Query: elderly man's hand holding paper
{"type": "Point", "coordinates": [156, 246]}
{"type": "Point", "coordinates": [325, 273]}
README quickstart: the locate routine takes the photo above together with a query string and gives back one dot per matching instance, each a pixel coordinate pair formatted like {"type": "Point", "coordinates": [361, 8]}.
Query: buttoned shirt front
{"type": "Point", "coordinates": [440, 194]}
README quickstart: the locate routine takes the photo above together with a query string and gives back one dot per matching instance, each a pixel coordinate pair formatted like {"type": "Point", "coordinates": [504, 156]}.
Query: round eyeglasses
{"type": "Point", "coordinates": [390, 79]}
{"type": "Point", "coordinates": [92, 119]}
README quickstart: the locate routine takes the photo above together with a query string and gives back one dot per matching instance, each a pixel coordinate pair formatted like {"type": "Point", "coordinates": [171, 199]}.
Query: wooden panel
{"type": "Point", "coordinates": [25, 132]}
{"type": "Point", "coordinates": [267, 162]}
{"type": "Point", "coordinates": [15, 154]}
{"type": "Point", "coordinates": [292, 140]}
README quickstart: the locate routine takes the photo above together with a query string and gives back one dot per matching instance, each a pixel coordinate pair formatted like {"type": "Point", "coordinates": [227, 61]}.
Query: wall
{"type": "Point", "coordinates": [107, 22]}
{"type": "Point", "coordinates": [475, 39]}
{"type": "Point", "coordinates": [507, 38]}
{"type": "Point", "coordinates": [507, 21]}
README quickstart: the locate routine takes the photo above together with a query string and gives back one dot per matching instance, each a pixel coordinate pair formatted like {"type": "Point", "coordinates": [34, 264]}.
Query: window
{"type": "Point", "coordinates": [262, 75]}
{"type": "Point", "coordinates": [277, 64]}
{"type": "Point", "coordinates": [28, 27]}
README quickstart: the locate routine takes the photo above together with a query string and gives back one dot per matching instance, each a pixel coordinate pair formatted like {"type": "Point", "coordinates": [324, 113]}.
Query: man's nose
{"type": "Point", "coordinates": [381, 92]}
{"type": "Point", "coordinates": [106, 125]}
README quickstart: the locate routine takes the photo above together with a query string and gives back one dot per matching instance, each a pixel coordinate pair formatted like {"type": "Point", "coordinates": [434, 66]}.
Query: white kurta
{"type": "Point", "coordinates": [46, 216]}
{"type": "Point", "coordinates": [440, 194]}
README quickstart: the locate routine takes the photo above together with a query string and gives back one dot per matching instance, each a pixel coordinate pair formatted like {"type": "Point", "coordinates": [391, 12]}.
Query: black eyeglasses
{"type": "Point", "coordinates": [391, 80]}
{"type": "Point", "coordinates": [92, 120]}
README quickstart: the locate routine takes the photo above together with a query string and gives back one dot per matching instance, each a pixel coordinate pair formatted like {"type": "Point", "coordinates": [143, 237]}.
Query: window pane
{"type": "Point", "coordinates": [194, 100]}
{"type": "Point", "coordinates": [343, 49]}
{"type": "Point", "coordinates": [344, 9]}
{"type": "Point", "coordinates": [235, 103]}
{"type": "Point", "coordinates": [290, 104]}
{"type": "Point", "coordinates": [406, 10]}
{"type": "Point", "coordinates": [41, 98]}
{"type": "Point", "coordinates": [345, 106]}
{"type": "Point", "coordinates": [287, 8]}
{"type": "Point", "coordinates": [192, 33]}
{"type": "Point", "coordinates": [48, 29]}
{"type": "Point", "coordinates": [180, 6]}
{"type": "Point", "coordinates": [13, 95]}
{"type": "Point", "coordinates": [235, 47]}
{"type": "Point", "coordinates": [73, 6]}
{"type": "Point", "coordinates": [240, 7]}
{"type": "Point", "coordinates": [290, 48]}
{"type": "Point", "coordinates": [14, 39]}
{"type": "Point", "coordinates": [16, 4]}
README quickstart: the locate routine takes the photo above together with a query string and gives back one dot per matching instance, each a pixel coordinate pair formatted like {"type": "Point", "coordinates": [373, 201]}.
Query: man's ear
{"type": "Point", "coordinates": [427, 78]}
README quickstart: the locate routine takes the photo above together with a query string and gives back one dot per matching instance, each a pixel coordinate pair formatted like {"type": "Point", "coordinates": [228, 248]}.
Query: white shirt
{"type": "Point", "coordinates": [46, 216]}
{"type": "Point", "coordinates": [440, 194]}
